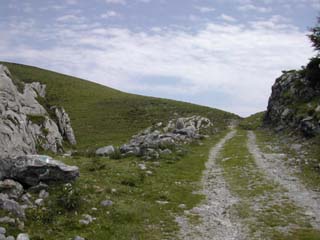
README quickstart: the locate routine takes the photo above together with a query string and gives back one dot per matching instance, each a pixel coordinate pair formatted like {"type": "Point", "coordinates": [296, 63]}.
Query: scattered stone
{"type": "Point", "coordinates": [39, 202]}
{"type": "Point", "coordinates": [2, 230]}
{"type": "Point", "coordinates": [87, 219]}
{"type": "Point", "coordinates": [25, 198]}
{"type": "Point", "coordinates": [7, 220]}
{"type": "Point", "coordinates": [149, 172]}
{"type": "Point", "coordinates": [106, 203]}
{"type": "Point", "coordinates": [105, 151]}
{"type": "Point", "coordinates": [23, 236]}
{"type": "Point", "coordinates": [10, 238]}
{"type": "Point", "coordinates": [296, 147]}
{"type": "Point", "coordinates": [142, 166]}
{"type": "Point", "coordinates": [165, 152]}
{"type": "Point", "coordinates": [37, 188]}
{"type": "Point", "coordinates": [2, 237]}
{"type": "Point", "coordinates": [318, 109]}
{"type": "Point", "coordinates": [113, 190]}
{"type": "Point", "coordinates": [12, 188]}
{"type": "Point", "coordinates": [78, 238]}
{"type": "Point", "coordinates": [11, 205]}
{"type": "Point", "coordinates": [162, 202]}
{"type": "Point", "coordinates": [182, 206]}
{"type": "Point", "coordinates": [43, 194]}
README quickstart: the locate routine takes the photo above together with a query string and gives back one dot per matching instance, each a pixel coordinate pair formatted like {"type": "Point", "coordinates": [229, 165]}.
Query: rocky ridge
{"type": "Point", "coordinates": [159, 139]}
{"type": "Point", "coordinates": [25, 124]}
{"type": "Point", "coordinates": [295, 100]}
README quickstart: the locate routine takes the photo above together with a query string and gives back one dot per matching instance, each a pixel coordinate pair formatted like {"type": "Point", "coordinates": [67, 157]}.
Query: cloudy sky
{"type": "Point", "coordinates": [220, 53]}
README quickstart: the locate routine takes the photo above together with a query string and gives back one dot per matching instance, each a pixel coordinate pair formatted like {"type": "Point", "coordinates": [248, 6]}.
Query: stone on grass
{"type": "Point", "coordinates": [78, 238]}
{"type": "Point", "coordinates": [10, 238]}
{"type": "Point", "coordinates": [11, 205]}
{"type": "Point", "coordinates": [105, 151]}
{"type": "Point", "coordinates": [12, 188]}
{"type": "Point", "coordinates": [7, 220]}
{"type": "Point", "coordinates": [2, 230]}
{"type": "Point", "coordinates": [43, 194]}
{"type": "Point", "coordinates": [23, 236]}
{"type": "Point", "coordinates": [106, 203]}
{"type": "Point", "coordinates": [2, 237]}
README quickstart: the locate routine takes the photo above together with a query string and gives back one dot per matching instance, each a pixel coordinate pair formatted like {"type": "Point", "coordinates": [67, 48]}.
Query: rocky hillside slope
{"type": "Point", "coordinates": [295, 100]}
{"type": "Point", "coordinates": [25, 125]}
{"type": "Point", "coordinates": [102, 116]}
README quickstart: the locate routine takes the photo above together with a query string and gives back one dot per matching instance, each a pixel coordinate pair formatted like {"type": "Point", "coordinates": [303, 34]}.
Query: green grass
{"type": "Point", "coordinates": [262, 207]}
{"type": "Point", "coordinates": [252, 122]}
{"type": "Point", "coordinates": [135, 213]}
{"type": "Point", "coordinates": [100, 115]}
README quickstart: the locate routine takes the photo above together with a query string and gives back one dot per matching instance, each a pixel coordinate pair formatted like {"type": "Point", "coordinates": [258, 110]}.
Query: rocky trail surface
{"type": "Point", "coordinates": [250, 195]}
{"type": "Point", "coordinates": [274, 167]}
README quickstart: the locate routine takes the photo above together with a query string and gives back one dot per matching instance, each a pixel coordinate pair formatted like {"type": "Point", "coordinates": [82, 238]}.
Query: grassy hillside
{"type": "Point", "coordinates": [102, 115]}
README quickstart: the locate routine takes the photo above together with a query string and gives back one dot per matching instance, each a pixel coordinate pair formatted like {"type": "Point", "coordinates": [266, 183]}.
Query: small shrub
{"type": "Point", "coordinates": [96, 164]}
{"type": "Point", "coordinates": [69, 198]}
{"type": "Point", "coordinates": [116, 155]}
{"type": "Point", "coordinates": [36, 119]}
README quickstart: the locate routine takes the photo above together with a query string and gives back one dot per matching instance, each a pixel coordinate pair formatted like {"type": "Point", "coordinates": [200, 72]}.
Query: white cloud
{"type": "Point", "coordinates": [205, 9]}
{"type": "Point", "coordinates": [123, 2]}
{"type": "Point", "coordinates": [110, 14]}
{"type": "Point", "coordinates": [251, 7]}
{"type": "Point", "coordinates": [70, 18]}
{"type": "Point", "coordinates": [227, 18]}
{"type": "Point", "coordinates": [240, 61]}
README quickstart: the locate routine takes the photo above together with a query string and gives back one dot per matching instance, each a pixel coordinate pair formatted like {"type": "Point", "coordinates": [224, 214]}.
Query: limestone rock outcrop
{"type": "Point", "coordinates": [295, 100]}
{"type": "Point", "coordinates": [155, 140]}
{"type": "Point", "coordinates": [24, 123]}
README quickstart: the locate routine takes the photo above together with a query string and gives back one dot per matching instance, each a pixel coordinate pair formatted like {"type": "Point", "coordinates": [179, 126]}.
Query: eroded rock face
{"type": "Point", "coordinates": [30, 170]}
{"type": "Point", "coordinates": [65, 125]}
{"type": "Point", "coordinates": [25, 123]}
{"type": "Point", "coordinates": [294, 102]}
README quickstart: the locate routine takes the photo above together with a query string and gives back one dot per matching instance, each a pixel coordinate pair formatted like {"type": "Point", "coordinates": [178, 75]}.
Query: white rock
{"type": "Point", "coordinates": [23, 236]}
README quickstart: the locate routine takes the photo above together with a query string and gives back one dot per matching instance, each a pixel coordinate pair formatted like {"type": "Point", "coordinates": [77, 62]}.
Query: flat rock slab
{"type": "Point", "coordinates": [30, 170]}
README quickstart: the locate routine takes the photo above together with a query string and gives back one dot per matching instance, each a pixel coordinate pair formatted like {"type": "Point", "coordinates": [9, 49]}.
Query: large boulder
{"type": "Point", "coordinates": [30, 170]}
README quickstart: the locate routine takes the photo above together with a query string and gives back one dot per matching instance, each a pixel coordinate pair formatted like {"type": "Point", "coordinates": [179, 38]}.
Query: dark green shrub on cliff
{"type": "Point", "coordinates": [313, 72]}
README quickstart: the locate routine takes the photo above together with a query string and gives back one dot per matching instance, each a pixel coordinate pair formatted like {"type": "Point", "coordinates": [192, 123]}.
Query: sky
{"type": "Point", "coordinates": [224, 54]}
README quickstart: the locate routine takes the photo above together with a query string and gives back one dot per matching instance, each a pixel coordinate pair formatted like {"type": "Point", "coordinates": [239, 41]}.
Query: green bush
{"type": "Point", "coordinates": [69, 197]}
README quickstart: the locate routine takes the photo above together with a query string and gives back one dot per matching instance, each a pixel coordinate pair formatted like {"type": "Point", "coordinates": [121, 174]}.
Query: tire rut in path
{"type": "Point", "coordinates": [217, 223]}
{"type": "Point", "coordinates": [275, 169]}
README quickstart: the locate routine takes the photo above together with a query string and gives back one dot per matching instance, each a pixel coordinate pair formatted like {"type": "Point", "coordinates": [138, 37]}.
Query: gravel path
{"type": "Point", "coordinates": [274, 167]}
{"type": "Point", "coordinates": [217, 221]}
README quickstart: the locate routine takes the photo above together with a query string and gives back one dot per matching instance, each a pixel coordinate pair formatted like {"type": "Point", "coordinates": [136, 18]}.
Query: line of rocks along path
{"type": "Point", "coordinates": [220, 221]}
